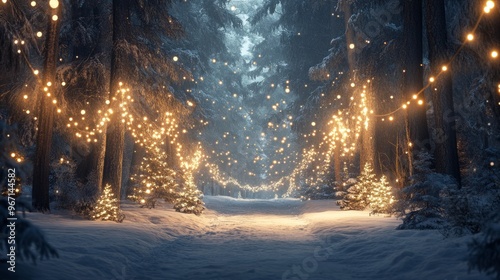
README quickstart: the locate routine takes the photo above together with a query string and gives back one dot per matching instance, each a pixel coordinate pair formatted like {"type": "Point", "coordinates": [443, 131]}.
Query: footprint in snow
{"type": "Point", "coordinates": [155, 220]}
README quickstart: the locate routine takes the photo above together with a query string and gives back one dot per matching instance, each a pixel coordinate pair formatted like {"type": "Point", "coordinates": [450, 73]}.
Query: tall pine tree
{"type": "Point", "coordinates": [40, 200]}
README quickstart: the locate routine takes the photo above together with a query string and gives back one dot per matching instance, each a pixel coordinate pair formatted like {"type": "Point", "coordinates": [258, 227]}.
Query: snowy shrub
{"type": "Point", "coordinates": [468, 209]}
{"type": "Point", "coordinates": [484, 250]}
{"type": "Point", "coordinates": [425, 202]}
{"type": "Point", "coordinates": [345, 186]}
{"type": "Point", "coordinates": [107, 207]}
{"type": "Point", "coordinates": [30, 240]}
{"type": "Point", "coordinates": [67, 192]}
{"type": "Point", "coordinates": [323, 191]}
{"type": "Point", "coordinates": [421, 204]}
{"type": "Point", "coordinates": [63, 185]}
{"type": "Point", "coordinates": [88, 196]}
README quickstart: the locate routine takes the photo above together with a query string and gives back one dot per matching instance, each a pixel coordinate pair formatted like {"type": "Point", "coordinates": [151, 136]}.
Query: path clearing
{"type": "Point", "coordinates": [245, 239]}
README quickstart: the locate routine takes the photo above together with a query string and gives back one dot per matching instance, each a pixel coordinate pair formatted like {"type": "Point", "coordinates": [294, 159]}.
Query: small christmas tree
{"type": "Point", "coordinates": [107, 207]}
{"type": "Point", "coordinates": [154, 180]}
{"type": "Point", "coordinates": [357, 195]}
{"type": "Point", "coordinates": [381, 198]}
{"type": "Point", "coordinates": [189, 200]}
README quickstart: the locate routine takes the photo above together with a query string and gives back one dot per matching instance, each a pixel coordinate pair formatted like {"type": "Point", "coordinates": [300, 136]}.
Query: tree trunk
{"type": "Point", "coordinates": [171, 153]}
{"type": "Point", "coordinates": [337, 165]}
{"type": "Point", "coordinates": [40, 199]}
{"type": "Point", "coordinates": [99, 148]}
{"type": "Point", "coordinates": [367, 137]}
{"type": "Point", "coordinates": [491, 29]}
{"type": "Point", "coordinates": [349, 34]}
{"type": "Point", "coordinates": [367, 150]}
{"type": "Point", "coordinates": [135, 166]}
{"type": "Point", "coordinates": [115, 137]}
{"type": "Point", "coordinates": [91, 167]}
{"type": "Point", "coordinates": [417, 128]}
{"type": "Point", "coordinates": [445, 139]}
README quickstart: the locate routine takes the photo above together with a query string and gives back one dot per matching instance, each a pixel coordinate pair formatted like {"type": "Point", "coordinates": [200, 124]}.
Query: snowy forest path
{"type": "Point", "coordinates": [243, 239]}
{"type": "Point", "coordinates": [246, 240]}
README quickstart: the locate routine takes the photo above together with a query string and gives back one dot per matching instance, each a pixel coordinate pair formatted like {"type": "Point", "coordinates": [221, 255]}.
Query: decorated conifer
{"type": "Point", "coordinates": [155, 180]}
{"type": "Point", "coordinates": [107, 207]}
{"type": "Point", "coordinates": [357, 195]}
{"type": "Point", "coordinates": [189, 200]}
{"type": "Point", "coordinates": [381, 198]}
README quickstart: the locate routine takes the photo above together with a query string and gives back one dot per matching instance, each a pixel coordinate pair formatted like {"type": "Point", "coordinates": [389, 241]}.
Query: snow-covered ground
{"type": "Point", "coordinates": [244, 239]}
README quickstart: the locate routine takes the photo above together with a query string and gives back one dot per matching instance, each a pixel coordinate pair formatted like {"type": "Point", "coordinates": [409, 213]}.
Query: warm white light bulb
{"type": "Point", "coordinates": [54, 4]}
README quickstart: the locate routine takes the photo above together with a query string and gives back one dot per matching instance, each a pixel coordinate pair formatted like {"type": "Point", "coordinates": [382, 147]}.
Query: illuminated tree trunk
{"type": "Point", "coordinates": [171, 153]}
{"type": "Point", "coordinates": [445, 139]}
{"type": "Point", "coordinates": [367, 135]}
{"type": "Point", "coordinates": [417, 128]}
{"type": "Point", "coordinates": [115, 138]}
{"type": "Point", "coordinates": [40, 199]}
{"type": "Point", "coordinates": [337, 167]}
{"type": "Point", "coordinates": [367, 149]}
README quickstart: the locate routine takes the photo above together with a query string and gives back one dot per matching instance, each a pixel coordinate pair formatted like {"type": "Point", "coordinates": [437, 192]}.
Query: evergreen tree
{"type": "Point", "coordinates": [107, 207]}
{"type": "Point", "coordinates": [40, 199]}
{"type": "Point", "coordinates": [115, 138]}
{"type": "Point", "coordinates": [30, 240]}
{"type": "Point", "coordinates": [415, 118]}
{"type": "Point", "coordinates": [154, 180]}
{"type": "Point", "coordinates": [357, 58]}
{"type": "Point", "coordinates": [189, 200]}
{"type": "Point", "coordinates": [141, 62]}
{"type": "Point", "coordinates": [421, 204]}
{"type": "Point", "coordinates": [381, 198]}
{"type": "Point", "coordinates": [358, 195]}
{"type": "Point", "coordinates": [86, 49]}
{"type": "Point", "coordinates": [484, 250]}
{"type": "Point", "coordinates": [446, 153]}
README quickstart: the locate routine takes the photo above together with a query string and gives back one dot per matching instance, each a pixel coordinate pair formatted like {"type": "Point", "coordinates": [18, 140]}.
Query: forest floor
{"type": "Point", "coordinates": [244, 239]}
